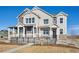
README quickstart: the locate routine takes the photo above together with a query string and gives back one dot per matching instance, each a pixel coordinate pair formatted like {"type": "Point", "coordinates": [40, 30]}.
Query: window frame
{"type": "Point", "coordinates": [61, 20]}
{"type": "Point", "coordinates": [46, 31]}
{"type": "Point", "coordinates": [33, 20]}
{"type": "Point", "coordinates": [21, 29]}
{"type": "Point", "coordinates": [46, 21]}
{"type": "Point", "coordinates": [30, 20]}
{"type": "Point", "coordinates": [27, 20]}
{"type": "Point", "coordinates": [35, 30]}
{"type": "Point", "coordinates": [61, 31]}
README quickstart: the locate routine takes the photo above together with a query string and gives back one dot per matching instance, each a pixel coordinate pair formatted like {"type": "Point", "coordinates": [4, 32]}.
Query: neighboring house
{"type": "Point", "coordinates": [37, 23]}
{"type": "Point", "coordinates": [3, 34]}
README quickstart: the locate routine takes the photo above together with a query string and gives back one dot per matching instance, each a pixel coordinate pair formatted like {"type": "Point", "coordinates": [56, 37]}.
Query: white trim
{"type": "Point", "coordinates": [23, 12]}
{"type": "Point", "coordinates": [41, 10]}
{"type": "Point", "coordinates": [19, 23]}
{"type": "Point", "coordinates": [62, 13]}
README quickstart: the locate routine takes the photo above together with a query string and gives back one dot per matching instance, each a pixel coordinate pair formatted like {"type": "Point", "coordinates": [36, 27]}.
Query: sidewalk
{"type": "Point", "coordinates": [15, 49]}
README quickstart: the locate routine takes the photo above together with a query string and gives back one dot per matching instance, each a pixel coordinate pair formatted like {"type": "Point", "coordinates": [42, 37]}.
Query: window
{"type": "Point", "coordinates": [61, 31]}
{"type": "Point", "coordinates": [29, 20]}
{"type": "Point", "coordinates": [45, 21]}
{"type": "Point", "coordinates": [21, 29]}
{"type": "Point", "coordinates": [33, 20]}
{"type": "Point", "coordinates": [61, 20]}
{"type": "Point", "coordinates": [29, 28]}
{"type": "Point", "coordinates": [26, 20]}
{"type": "Point", "coordinates": [46, 31]}
{"type": "Point", "coordinates": [34, 30]}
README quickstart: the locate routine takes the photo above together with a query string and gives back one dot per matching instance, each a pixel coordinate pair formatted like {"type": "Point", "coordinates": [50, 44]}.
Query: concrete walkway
{"type": "Point", "coordinates": [15, 49]}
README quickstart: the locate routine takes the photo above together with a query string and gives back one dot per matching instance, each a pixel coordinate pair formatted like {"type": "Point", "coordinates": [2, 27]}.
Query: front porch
{"type": "Point", "coordinates": [20, 31]}
{"type": "Point", "coordinates": [32, 34]}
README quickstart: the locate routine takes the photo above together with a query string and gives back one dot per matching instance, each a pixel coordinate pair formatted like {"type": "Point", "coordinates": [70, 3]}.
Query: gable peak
{"type": "Point", "coordinates": [27, 10]}
{"type": "Point", "coordinates": [62, 13]}
{"type": "Point", "coordinates": [34, 8]}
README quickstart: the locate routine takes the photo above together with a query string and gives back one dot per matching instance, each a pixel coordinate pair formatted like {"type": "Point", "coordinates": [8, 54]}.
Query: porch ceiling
{"type": "Point", "coordinates": [29, 25]}
{"type": "Point", "coordinates": [12, 27]}
{"type": "Point", "coordinates": [54, 26]}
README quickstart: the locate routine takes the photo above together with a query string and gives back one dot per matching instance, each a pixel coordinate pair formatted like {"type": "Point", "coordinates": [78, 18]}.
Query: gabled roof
{"type": "Point", "coordinates": [36, 15]}
{"type": "Point", "coordinates": [28, 11]}
{"type": "Point", "coordinates": [35, 8]}
{"type": "Point", "coordinates": [62, 13]}
{"type": "Point", "coordinates": [19, 23]}
{"type": "Point", "coordinates": [24, 11]}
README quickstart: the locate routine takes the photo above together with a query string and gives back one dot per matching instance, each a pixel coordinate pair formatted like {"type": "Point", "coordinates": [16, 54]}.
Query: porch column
{"type": "Point", "coordinates": [58, 33]}
{"type": "Point", "coordinates": [8, 33]}
{"type": "Point", "coordinates": [39, 32]}
{"type": "Point", "coordinates": [33, 31]}
{"type": "Point", "coordinates": [18, 31]}
{"type": "Point", "coordinates": [51, 32]}
{"type": "Point", "coordinates": [23, 31]}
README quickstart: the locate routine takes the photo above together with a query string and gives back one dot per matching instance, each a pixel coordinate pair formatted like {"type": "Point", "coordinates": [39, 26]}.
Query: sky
{"type": "Point", "coordinates": [8, 16]}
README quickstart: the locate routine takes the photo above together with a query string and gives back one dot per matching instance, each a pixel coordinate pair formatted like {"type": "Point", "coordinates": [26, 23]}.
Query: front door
{"type": "Point", "coordinates": [54, 33]}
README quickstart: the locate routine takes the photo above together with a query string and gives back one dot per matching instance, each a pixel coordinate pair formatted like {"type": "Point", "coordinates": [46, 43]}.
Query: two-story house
{"type": "Point", "coordinates": [37, 23]}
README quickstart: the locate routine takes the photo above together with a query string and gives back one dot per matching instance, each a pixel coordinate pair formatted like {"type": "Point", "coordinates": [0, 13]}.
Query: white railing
{"type": "Point", "coordinates": [36, 40]}
{"type": "Point", "coordinates": [29, 31]}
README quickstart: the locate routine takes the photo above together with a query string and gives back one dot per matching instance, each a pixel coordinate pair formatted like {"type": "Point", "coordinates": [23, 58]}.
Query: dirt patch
{"type": "Point", "coordinates": [6, 46]}
{"type": "Point", "coordinates": [49, 49]}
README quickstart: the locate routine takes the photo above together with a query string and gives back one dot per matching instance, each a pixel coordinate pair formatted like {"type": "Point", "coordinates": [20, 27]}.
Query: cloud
{"type": "Point", "coordinates": [74, 29]}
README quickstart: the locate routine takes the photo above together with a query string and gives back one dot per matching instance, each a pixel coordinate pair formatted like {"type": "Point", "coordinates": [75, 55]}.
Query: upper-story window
{"type": "Point", "coordinates": [54, 20]}
{"type": "Point", "coordinates": [26, 20]}
{"type": "Point", "coordinates": [61, 31]}
{"type": "Point", "coordinates": [33, 20]}
{"type": "Point", "coordinates": [61, 20]}
{"type": "Point", "coordinates": [30, 20]}
{"type": "Point", "coordinates": [45, 21]}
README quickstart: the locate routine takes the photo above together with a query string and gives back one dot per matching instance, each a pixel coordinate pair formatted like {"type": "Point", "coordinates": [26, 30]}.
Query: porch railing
{"type": "Point", "coordinates": [35, 40]}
